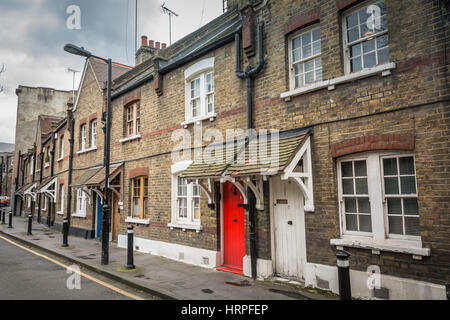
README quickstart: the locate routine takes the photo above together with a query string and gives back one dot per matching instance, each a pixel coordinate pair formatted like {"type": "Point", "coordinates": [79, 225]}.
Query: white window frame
{"type": "Point", "coordinates": [32, 165]}
{"type": "Point", "coordinates": [189, 222]}
{"type": "Point", "coordinates": [199, 71]}
{"type": "Point", "coordinates": [61, 198]}
{"type": "Point", "coordinates": [94, 133]}
{"type": "Point", "coordinates": [385, 204]}
{"type": "Point", "coordinates": [134, 120]}
{"type": "Point", "coordinates": [61, 147]}
{"type": "Point", "coordinates": [378, 207]}
{"type": "Point", "coordinates": [81, 206]}
{"type": "Point", "coordinates": [346, 45]}
{"type": "Point", "coordinates": [302, 61]}
{"type": "Point", "coordinates": [83, 132]}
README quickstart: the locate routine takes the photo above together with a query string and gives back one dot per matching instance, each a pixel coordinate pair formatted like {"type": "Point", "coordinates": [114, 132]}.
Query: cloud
{"type": "Point", "coordinates": [33, 34]}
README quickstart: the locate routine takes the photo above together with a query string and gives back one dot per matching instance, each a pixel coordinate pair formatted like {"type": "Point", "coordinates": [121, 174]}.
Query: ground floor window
{"type": "Point", "coordinates": [378, 196]}
{"type": "Point", "coordinates": [61, 198]}
{"type": "Point", "coordinates": [139, 201]}
{"type": "Point", "coordinates": [187, 201]}
{"type": "Point", "coordinates": [81, 202]}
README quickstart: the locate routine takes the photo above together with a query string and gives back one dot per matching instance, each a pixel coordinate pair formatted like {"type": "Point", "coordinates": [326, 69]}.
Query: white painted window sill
{"type": "Point", "coordinates": [60, 159]}
{"type": "Point", "coordinates": [128, 139]}
{"type": "Point", "coordinates": [198, 120]}
{"type": "Point", "coordinates": [401, 246]}
{"type": "Point", "coordinates": [60, 213]}
{"type": "Point", "coordinates": [46, 165]}
{"type": "Point", "coordinates": [87, 150]}
{"type": "Point", "coordinates": [384, 70]}
{"type": "Point", "coordinates": [185, 226]}
{"type": "Point", "coordinates": [79, 215]}
{"type": "Point", "coordinates": [137, 221]}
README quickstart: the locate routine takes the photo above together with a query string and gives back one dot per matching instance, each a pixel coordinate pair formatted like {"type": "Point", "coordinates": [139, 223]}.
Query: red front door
{"type": "Point", "coordinates": [233, 228]}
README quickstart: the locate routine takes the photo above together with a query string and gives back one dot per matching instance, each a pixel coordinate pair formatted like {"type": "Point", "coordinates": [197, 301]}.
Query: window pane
{"type": "Point", "coordinates": [356, 64]}
{"type": "Point", "coordinates": [355, 51]}
{"type": "Point", "coordinates": [316, 34]}
{"type": "Point", "coordinates": [368, 46]}
{"type": "Point", "coordinates": [365, 223]}
{"type": "Point", "coordinates": [309, 65]}
{"type": "Point", "coordinates": [352, 20]}
{"type": "Point", "coordinates": [363, 205]}
{"type": "Point", "coordinates": [353, 34]}
{"type": "Point", "coordinates": [364, 30]}
{"type": "Point", "coordinates": [382, 41]}
{"type": "Point", "coordinates": [406, 165]}
{"type": "Point", "coordinates": [361, 186]}
{"type": "Point", "coordinates": [360, 169]}
{"type": "Point", "coordinates": [309, 77]}
{"type": "Point", "coordinates": [306, 39]}
{"type": "Point", "coordinates": [319, 74]}
{"type": "Point", "coordinates": [391, 185]}
{"type": "Point", "coordinates": [296, 55]}
{"type": "Point", "coordinates": [347, 170]}
{"type": "Point", "coordinates": [412, 227]}
{"type": "Point", "coordinates": [306, 51]}
{"type": "Point", "coordinates": [351, 222]}
{"type": "Point", "coordinates": [296, 43]}
{"type": "Point", "coordinates": [317, 48]}
{"type": "Point", "coordinates": [395, 225]}
{"type": "Point", "coordinates": [137, 207]}
{"type": "Point", "coordinates": [350, 205]}
{"type": "Point", "coordinates": [390, 166]}
{"type": "Point", "coordinates": [383, 56]}
{"type": "Point", "coordinates": [410, 206]}
{"type": "Point", "coordinates": [369, 60]}
{"type": "Point", "coordinates": [394, 206]}
{"type": "Point", "coordinates": [408, 185]}
{"type": "Point", "coordinates": [347, 186]}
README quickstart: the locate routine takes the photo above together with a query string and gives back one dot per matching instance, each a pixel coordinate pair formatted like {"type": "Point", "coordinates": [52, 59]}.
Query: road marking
{"type": "Point", "coordinates": [107, 285]}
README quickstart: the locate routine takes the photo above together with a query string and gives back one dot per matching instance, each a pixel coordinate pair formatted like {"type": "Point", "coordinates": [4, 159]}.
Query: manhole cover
{"type": "Point", "coordinates": [209, 291]}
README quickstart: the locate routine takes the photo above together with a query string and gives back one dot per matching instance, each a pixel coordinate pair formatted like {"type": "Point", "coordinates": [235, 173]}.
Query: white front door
{"type": "Point", "coordinates": [289, 228]}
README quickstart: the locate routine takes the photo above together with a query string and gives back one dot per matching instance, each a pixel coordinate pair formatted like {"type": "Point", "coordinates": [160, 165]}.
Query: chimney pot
{"type": "Point", "coordinates": [158, 45]}
{"type": "Point", "coordinates": [152, 43]}
{"type": "Point", "coordinates": [144, 40]}
{"type": "Point", "coordinates": [164, 45]}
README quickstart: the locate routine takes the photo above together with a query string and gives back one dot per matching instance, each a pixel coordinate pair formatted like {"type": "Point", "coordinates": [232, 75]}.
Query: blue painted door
{"type": "Point", "coordinates": [99, 217]}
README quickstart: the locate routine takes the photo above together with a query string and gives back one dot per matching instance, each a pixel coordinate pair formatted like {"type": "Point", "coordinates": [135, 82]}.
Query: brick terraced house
{"type": "Point", "coordinates": [348, 106]}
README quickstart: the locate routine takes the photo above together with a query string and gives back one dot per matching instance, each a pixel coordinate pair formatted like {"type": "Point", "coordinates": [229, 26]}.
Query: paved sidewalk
{"type": "Point", "coordinates": [163, 277]}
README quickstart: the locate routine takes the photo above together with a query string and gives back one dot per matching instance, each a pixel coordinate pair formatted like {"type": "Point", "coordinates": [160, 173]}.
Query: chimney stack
{"type": "Point", "coordinates": [148, 49]}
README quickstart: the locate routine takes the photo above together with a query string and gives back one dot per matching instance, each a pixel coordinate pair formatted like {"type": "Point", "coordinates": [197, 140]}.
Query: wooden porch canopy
{"type": "Point", "coordinates": [48, 187]}
{"type": "Point", "coordinates": [19, 192]}
{"type": "Point", "coordinates": [94, 179]}
{"type": "Point", "coordinates": [287, 154]}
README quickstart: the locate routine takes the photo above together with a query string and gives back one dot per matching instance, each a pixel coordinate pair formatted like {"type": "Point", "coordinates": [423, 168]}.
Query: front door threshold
{"type": "Point", "coordinates": [231, 270]}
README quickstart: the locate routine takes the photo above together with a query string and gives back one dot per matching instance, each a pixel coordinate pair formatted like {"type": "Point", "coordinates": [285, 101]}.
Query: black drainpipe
{"type": "Point", "coordinates": [249, 74]}
{"type": "Point", "coordinates": [41, 168]}
{"type": "Point", "coordinates": [52, 205]}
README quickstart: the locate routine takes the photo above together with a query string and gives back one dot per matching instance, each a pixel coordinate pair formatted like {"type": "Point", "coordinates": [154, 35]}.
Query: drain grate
{"type": "Point", "coordinates": [85, 258]}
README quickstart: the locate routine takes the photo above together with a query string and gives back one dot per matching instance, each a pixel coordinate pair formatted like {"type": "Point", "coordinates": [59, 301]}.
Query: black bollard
{"type": "Point", "coordinates": [343, 265]}
{"type": "Point", "coordinates": [10, 220]}
{"type": "Point", "coordinates": [130, 258]}
{"type": "Point", "coordinates": [65, 233]}
{"type": "Point", "coordinates": [30, 222]}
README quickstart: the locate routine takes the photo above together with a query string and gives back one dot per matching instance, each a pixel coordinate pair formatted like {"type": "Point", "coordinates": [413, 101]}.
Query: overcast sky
{"type": "Point", "coordinates": [33, 34]}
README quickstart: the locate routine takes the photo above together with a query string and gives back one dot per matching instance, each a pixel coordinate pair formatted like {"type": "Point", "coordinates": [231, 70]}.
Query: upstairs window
{"type": "Point", "coordinates": [133, 119]}
{"type": "Point", "coordinates": [139, 202]}
{"type": "Point", "coordinates": [61, 198]}
{"type": "Point", "coordinates": [305, 51]}
{"type": "Point", "coordinates": [61, 147]}
{"type": "Point", "coordinates": [83, 137]}
{"type": "Point", "coordinates": [200, 91]}
{"type": "Point", "coordinates": [93, 133]}
{"type": "Point", "coordinates": [366, 39]}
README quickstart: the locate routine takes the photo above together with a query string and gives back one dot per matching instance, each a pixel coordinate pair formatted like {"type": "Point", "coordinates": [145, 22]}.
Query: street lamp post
{"type": "Point", "coordinates": [70, 48]}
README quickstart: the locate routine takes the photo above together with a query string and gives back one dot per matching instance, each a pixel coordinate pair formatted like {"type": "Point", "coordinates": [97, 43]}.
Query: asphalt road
{"type": "Point", "coordinates": [27, 276]}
